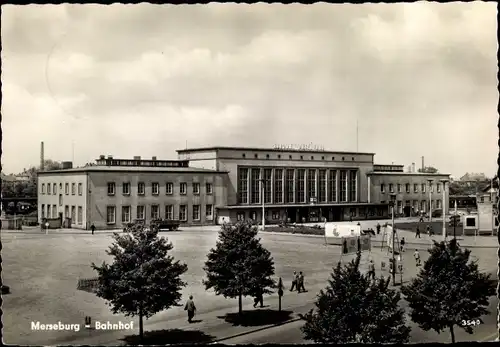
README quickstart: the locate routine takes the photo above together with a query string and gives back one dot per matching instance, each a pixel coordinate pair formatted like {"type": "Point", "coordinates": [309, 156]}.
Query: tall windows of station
{"type": "Point", "coordinates": [278, 186]}
{"type": "Point", "coordinates": [301, 185]}
{"type": "Point", "coordinates": [268, 185]}
{"type": "Point", "coordinates": [290, 186]}
{"type": "Point", "coordinates": [353, 186]}
{"type": "Point", "coordinates": [255, 186]}
{"type": "Point", "coordinates": [343, 186]}
{"type": "Point", "coordinates": [243, 186]}
{"type": "Point", "coordinates": [332, 184]}
{"type": "Point", "coordinates": [311, 184]}
{"type": "Point", "coordinates": [322, 185]}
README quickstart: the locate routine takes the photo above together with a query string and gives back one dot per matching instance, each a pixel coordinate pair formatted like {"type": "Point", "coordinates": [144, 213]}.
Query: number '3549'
{"type": "Point", "coordinates": [473, 322]}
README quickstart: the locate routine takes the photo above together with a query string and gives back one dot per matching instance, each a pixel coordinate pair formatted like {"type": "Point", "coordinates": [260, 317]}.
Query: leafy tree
{"type": "Point", "coordinates": [143, 279]}
{"type": "Point", "coordinates": [448, 290]}
{"type": "Point", "coordinates": [428, 169]}
{"type": "Point", "coordinates": [239, 264]}
{"type": "Point", "coordinates": [353, 308]}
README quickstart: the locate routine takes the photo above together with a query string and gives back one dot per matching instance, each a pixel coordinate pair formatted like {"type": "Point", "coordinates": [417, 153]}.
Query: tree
{"type": "Point", "coordinates": [353, 308]}
{"type": "Point", "coordinates": [428, 169]}
{"type": "Point", "coordinates": [239, 264]}
{"type": "Point", "coordinates": [448, 290]}
{"type": "Point", "coordinates": [143, 279]}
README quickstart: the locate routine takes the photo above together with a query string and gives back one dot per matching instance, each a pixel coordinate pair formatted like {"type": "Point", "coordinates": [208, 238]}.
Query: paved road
{"type": "Point", "coordinates": [290, 333]}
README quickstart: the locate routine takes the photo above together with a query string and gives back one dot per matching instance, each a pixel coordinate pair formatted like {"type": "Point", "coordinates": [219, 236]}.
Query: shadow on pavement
{"type": "Point", "coordinates": [257, 317]}
{"type": "Point", "coordinates": [171, 336]}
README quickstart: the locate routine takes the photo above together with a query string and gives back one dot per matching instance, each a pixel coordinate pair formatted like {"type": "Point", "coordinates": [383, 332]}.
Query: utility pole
{"type": "Point", "coordinates": [444, 181]}
{"type": "Point", "coordinates": [393, 200]}
{"type": "Point", "coordinates": [430, 200]}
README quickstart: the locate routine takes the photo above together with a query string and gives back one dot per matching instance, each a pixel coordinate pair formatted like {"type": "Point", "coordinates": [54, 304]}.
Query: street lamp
{"type": "Point", "coordinates": [444, 181]}
{"type": "Point", "coordinates": [262, 182]}
{"type": "Point", "coordinates": [430, 200]}
{"type": "Point", "coordinates": [393, 200]}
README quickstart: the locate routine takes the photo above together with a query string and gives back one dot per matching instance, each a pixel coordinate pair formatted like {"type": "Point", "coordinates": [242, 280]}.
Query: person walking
{"type": "Point", "coordinates": [259, 298]}
{"type": "Point", "coordinates": [428, 230]}
{"type": "Point", "coordinates": [300, 283]}
{"type": "Point", "coordinates": [294, 281]}
{"type": "Point", "coordinates": [371, 270]}
{"type": "Point", "coordinates": [92, 227]}
{"type": "Point", "coordinates": [417, 234]}
{"type": "Point", "coordinates": [378, 228]}
{"type": "Point", "coordinates": [402, 244]}
{"type": "Point", "coordinates": [416, 255]}
{"type": "Point", "coordinates": [190, 308]}
{"type": "Point", "coordinates": [391, 266]}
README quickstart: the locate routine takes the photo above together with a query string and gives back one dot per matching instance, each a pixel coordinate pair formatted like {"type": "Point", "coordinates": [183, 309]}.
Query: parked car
{"type": "Point", "coordinates": [437, 213]}
{"type": "Point", "coordinates": [169, 224]}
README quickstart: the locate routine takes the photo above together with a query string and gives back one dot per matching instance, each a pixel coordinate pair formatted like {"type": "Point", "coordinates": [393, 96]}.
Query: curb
{"type": "Point", "coordinates": [296, 319]}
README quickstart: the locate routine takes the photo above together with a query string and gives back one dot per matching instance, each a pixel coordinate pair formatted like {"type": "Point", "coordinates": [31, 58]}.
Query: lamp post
{"type": "Point", "coordinates": [262, 181]}
{"type": "Point", "coordinates": [444, 181]}
{"type": "Point", "coordinates": [430, 200]}
{"type": "Point", "coordinates": [393, 200]}
{"type": "Point", "coordinates": [455, 221]}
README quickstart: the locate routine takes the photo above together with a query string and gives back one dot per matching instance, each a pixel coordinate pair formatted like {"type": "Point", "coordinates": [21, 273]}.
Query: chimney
{"type": "Point", "coordinates": [42, 159]}
{"type": "Point", "coordinates": [412, 167]}
{"type": "Point", "coordinates": [153, 158]}
{"type": "Point", "coordinates": [423, 164]}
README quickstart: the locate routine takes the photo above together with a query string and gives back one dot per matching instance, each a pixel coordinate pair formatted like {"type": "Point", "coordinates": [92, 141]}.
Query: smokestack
{"type": "Point", "coordinates": [423, 164]}
{"type": "Point", "coordinates": [412, 167]}
{"type": "Point", "coordinates": [42, 159]}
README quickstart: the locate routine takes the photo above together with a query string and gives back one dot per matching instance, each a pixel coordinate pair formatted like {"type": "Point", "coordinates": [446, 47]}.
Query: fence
{"type": "Point", "coordinates": [88, 284]}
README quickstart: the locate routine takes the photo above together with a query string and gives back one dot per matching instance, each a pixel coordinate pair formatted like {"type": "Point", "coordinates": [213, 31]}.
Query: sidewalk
{"type": "Point", "coordinates": [211, 324]}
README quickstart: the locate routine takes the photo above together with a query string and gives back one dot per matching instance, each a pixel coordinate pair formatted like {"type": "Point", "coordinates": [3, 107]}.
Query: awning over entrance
{"type": "Point", "coordinates": [347, 204]}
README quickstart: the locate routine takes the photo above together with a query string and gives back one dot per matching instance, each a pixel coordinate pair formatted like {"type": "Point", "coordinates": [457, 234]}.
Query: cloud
{"type": "Point", "coordinates": [144, 79]}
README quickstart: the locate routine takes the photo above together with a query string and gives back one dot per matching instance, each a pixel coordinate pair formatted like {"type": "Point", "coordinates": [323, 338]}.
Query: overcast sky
{"type": "Point", "coordinates": [145, 79]}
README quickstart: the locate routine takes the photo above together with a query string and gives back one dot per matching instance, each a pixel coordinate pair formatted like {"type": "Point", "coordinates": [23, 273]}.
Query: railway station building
{"type": "Point", "coordinates": [213, 185]}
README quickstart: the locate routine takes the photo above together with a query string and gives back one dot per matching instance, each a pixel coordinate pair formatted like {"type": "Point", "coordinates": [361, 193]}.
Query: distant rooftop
{"type": "Point", "coordinates": [137, 161]}
{"type": "Point", "coordinates": [408, 173]}
{"type": "Point", "coordinates": [100, 168]}
{"type": "Point", "coordinates": [272, 149]}
{"type": "Point", "coordinates": [388, 168]}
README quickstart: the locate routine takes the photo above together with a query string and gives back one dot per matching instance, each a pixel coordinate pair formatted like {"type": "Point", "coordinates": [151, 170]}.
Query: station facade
{"type": "Point", "coordinates": [213, 185]}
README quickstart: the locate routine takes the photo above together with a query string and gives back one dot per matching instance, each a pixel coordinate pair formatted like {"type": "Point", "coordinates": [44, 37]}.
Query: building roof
{"type": "Point", "coordinates": [8, 178]}
{"type": "Point", "coordinates": [474, 177]}
{"type": "Point", "coordinates": [147, 169]}
{"type": "Point", "coordinates": [381, 173]}
{"type": "Point", "coordinates": [257, 149]}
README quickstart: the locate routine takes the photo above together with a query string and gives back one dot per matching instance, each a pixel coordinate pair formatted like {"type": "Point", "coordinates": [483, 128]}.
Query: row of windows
{"type": "Point", "coordinates": [290, 157]}
{"type": "Point", "coordinates": [417, 205]}
{"type": "Point", "coordinates": [50, 211]}
{"type": "Point", "coordinates": [155, 188]}
{"type": "Point", "coordinates": [407, 188]}
{"type": "Point", "coordinates": [52, 188]}
{"type": "Point", "coordinates": [155, 213]}
{"type": "Point", "coordinates": [289, 185]}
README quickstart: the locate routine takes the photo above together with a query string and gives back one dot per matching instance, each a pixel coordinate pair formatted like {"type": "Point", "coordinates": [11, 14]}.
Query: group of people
{"type": "Point", "coordinates": [298, 282]}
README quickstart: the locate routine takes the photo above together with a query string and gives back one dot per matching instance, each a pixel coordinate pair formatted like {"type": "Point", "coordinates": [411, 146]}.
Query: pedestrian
{"type": "Point", "coordinates": [428, 230]}
{"type": "Point", "coordinates": [402, 244]}
{"type": "Point", "coordinates": [391, 266]}
{"type": "Point", "coordinates": [378, 228]}
{"type": "Point", "coordinates": [416, 255]}
{"type": "Point", "coordinates": [417, 234]}
{"type": "Point", "coordinates": [421, 220]}
{"type": "Point", "coordinates": [371, 270]}
{"type": "Point", "coordinates": [92, 227]}
{"type": "Point", "coordinates": [259, 298]}
{"type": "Point", "coordinates": [300, 283]}
{"type": "Point", "coordinates": [431, 232]}
{"type": "Point", "coordinates": [190, 308]}
{"type": "Point", "coordinates": [294, 281]}
{"type": "Point", "coordinates": [350, 219]}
